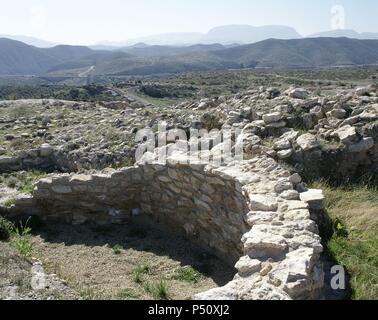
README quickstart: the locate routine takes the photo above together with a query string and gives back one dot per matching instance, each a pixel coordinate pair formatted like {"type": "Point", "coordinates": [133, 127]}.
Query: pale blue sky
{"type": "Point", "coordinates": [90, 21]}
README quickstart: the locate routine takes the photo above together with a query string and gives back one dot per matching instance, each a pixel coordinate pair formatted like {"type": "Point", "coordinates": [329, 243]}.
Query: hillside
{"type": "Point", "coordinates": [304, 53]}
{"type": "Point", "coordinates": [300, 53]}
{"type": "Point", "coordinates": [17, 58]}
{"type": "Point", "coordinates": [40, 43]}
{"type": "Point", "coordinates": [143, 50]}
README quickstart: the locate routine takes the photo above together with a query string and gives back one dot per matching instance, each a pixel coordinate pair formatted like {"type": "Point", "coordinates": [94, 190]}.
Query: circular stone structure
{"type": "Point", "coordinates": [248, 213]}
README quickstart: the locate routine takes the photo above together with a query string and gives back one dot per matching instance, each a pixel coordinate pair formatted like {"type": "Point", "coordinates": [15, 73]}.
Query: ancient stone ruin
{"type": "Point", "coordinates": [255, 214]}
{"type": "Point", "coordinates": [248, 213]}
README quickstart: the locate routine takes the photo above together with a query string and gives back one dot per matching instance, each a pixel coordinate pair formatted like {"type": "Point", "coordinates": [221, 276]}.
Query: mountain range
{"type": "Point", "coordinates": [17, 58]}
{"type": "Point", "coordinates": [225, 35]}
{"type": "Point", "coordinates": [30, 41]}
{"type": "Point", "coordinates": [348, 33]}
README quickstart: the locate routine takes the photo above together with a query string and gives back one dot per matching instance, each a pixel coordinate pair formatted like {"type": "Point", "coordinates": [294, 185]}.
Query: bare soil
{"type": "Point", "coordinates": [101, 262]}
{"type": "Point", "coordinates": [16, 279]}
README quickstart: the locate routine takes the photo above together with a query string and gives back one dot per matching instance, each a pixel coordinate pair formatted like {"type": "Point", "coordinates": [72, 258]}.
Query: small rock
{"type": "Point", "coordinates": [277, 125]}
{"type": "Point", "coordinates": [297, 93]}
{"type": "Point", "coordinates": [308, 142]}
{"type": "Point", "coordinates": [337, 113]}
{"type": "Point", "coordinates": [282, 144]}
{"type": "Point", "coordinates": [247, 266]}
{"type": "Point", "coordinates": [282, 186]}
{"type": "Point", "coordinates": [290, 195]}
{"type": "Point", "coordinates": [46, 150]}
{"type": "Point", "coordinates": [272, 117]}
{"type": "Point", "coordinates": [285, 154]}
{"type": "Point", "coordinates": [266, 269]}
{"type": "Point", "coordinates": [347, 135]}
{"type": "Point", "coordinates": [362, 146]}
{"type": "Point", "coordinates": [362, 91]}
{"type": "Point", "coordinates": [295, 178]}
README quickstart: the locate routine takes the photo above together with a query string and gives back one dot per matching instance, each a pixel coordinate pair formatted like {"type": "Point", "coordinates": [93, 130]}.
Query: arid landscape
{"type": "Point", "coordinates": [96, 133]}
{"type": "Point", "coordinates": [237, 163]}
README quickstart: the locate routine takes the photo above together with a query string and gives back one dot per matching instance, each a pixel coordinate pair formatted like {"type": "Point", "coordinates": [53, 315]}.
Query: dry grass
{"type": "Point", "coordinates": [354, 244]}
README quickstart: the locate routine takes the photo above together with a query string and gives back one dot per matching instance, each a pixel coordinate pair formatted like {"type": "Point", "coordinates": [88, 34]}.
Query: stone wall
{"type": "Point", "coordinates": [48, 159]}
{"type": "Point", "coordinates": [247, 212]}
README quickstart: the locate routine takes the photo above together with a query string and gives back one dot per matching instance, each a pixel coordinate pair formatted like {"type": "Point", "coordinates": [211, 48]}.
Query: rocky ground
{"type": "Point", "coordinates": [295, 126]}
{"type": "Point", "coordinates": [24, 279]}
{"type": "Point", "coordinates": [332, 137]}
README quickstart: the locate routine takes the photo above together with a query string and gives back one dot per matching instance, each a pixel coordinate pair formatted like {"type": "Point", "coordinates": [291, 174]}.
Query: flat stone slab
{"type": "Point", "coordinates": [315, 198]}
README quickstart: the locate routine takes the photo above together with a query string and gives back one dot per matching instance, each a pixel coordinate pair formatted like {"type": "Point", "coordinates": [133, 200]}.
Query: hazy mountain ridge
{"type": "Point", "coordinates": [305, 53]}
{"type": "Point", "coordinates": [349, 33]}
{"type": "Point", "coordinates": [17, 58]}
{"type": "Point", "coordinates": [32, 41]}
{"type": "Point", "coordinates": [225, 35]}
{"type": "Point", "coordinates": [246, 34]}
{"type": "Point", "coordinates": [299, 53]}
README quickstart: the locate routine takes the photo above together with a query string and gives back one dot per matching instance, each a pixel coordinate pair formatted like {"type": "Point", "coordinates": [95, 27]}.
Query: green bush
{"type": "Point", "coordinates": [6, 229]}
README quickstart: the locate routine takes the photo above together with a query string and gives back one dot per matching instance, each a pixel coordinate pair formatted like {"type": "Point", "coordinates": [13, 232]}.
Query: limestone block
{"type": "Point", "coordinates": [247, 266]}
{"type": "Point", "coordinates": [263, 203]}
{"type": "Point", "coordinates": [315, 198]}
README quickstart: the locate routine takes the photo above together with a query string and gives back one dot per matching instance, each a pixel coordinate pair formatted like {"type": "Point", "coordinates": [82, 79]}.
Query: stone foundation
{"type": "Point", "coordinates": [247, 212]}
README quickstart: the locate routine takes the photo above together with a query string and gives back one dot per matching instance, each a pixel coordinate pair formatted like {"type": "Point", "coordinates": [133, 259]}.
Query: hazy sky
{"type": "Point", "coordinates": [91, 21]}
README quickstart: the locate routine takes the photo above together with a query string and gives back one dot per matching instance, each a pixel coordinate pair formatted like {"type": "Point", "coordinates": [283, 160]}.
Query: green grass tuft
{"type": "Point", "coordinates": [188, 274]}
{"type": "Point", "coordinates": [117, 249]}
{"type": "Point", "coordinates": [159, 290]}
{"type": "Point", "coordinates": [128, 294]}
{"type": "Point", "coordinates": [21, 239]}
{"type": "Point", "coordinates": [140, 270]}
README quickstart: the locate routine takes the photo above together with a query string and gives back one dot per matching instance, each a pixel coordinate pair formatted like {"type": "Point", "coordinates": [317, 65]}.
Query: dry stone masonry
{"type": "Point", "coordinates": [248, 213]}
{"type": "Point", "coordinates": [256, 214]}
